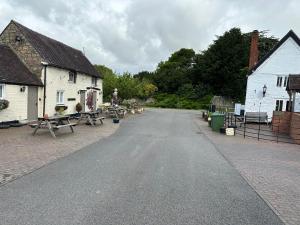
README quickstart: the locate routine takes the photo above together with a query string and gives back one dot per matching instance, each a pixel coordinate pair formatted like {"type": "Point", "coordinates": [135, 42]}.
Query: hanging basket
{"type": "Point", "coordinates": [4, 104]}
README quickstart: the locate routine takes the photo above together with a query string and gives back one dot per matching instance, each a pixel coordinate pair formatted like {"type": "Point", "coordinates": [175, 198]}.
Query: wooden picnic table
{"type": "Point", "coordinates": [116, 112]}
{"type": "Point", "coordinates": [53, 123]}
{"type": "Point", "coordinates": [92, 117]}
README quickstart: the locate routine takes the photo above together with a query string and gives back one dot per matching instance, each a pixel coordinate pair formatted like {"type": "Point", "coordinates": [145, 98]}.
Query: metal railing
{"type": "Point", "coordinates": [261, 130]}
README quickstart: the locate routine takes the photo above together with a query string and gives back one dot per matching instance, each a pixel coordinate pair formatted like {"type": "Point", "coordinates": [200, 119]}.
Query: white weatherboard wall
{"type": "Point", "coordinates": [283, 62]}
{"type": "Point", "coordinates": [57, 79]}
{"type": "Point", "coordinates": [17, 109]}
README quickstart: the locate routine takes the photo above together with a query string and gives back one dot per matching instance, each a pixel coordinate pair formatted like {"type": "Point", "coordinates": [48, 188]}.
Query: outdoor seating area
{"type": "Point", "coordinates": [52, 124]}
{"type": "Point", "coordinates": [55, 123]}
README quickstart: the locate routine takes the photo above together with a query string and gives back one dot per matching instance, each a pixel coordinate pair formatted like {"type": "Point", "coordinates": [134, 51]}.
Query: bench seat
{"type": "Point", "coordinates": [64, 125]}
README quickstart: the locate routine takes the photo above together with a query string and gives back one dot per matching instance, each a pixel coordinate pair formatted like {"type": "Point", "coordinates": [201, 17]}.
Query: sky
{"type": "Point", "coordinates": [135, 35]}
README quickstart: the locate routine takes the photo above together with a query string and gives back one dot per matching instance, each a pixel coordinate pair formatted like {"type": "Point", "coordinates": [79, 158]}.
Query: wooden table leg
{"type": "Point", "coordinates": [37, 127]}
{"type": "Point", "coordinates": [71, 127]}
{"type": "Point", "coordinates": [91, 120]}
{"type": "Point", "coordinates": [50, 129]}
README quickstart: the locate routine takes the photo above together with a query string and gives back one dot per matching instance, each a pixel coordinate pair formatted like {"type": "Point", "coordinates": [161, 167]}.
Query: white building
{"type": "Point", "coordinates": [267, 80]}
{"type": "Point", "coordinates": [48, 74]}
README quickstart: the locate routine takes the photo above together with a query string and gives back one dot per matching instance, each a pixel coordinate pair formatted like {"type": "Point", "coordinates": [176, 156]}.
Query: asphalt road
{"type": "Point", "coordinates": [156, 169]}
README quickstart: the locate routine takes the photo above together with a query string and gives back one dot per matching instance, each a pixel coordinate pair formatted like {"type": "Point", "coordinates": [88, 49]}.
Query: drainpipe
{"type": "Point", "coordinates": [45, 85]}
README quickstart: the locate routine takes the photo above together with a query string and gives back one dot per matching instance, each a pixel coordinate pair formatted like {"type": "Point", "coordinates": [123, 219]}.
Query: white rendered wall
{"type": "Point", "coordinates": [17, 109]}
{"type": "Point", "coordinates": [57, 79]}
{"type": "Point", "coordinates": [283, 62]}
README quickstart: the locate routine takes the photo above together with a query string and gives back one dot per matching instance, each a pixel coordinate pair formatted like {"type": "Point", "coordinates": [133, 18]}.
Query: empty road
{"type": "Point", "coordinates": [157, 169]}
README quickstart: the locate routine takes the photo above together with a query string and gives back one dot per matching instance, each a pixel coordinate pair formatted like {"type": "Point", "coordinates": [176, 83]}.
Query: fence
{"type": "Point", "coordinates": [280, 129]}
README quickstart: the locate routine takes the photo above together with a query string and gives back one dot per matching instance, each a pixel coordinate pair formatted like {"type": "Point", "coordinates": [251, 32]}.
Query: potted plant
{"type": "Point", "coordinates": [78, 108]}
{"type": "Point", "coordinates": [60, 109]}
{"type": "Point", "coordinates": [4, 105]}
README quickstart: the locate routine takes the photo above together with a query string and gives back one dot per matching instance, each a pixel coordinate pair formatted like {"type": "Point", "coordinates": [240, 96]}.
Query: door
{"type": "Point", "coordinates": [82, 100]}
{"type": "Point", "coordinates": [32, 108]}
{"type": "Point", "coordinates": [95, 100]}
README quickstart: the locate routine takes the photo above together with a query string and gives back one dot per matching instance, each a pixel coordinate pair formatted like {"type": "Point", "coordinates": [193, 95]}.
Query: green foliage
{"type": "Point", "coordinates": [219, 70]}
{"type": "Point", "coordinates": [186, 78]}
{"type": "Point", "coordinates": [178, 102]}
{"type": "Point", "coordinates": [128, 86]}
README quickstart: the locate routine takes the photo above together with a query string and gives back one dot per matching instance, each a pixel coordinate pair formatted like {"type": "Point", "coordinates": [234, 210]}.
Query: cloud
{"type": "Point", "coordinates": [135, 35]}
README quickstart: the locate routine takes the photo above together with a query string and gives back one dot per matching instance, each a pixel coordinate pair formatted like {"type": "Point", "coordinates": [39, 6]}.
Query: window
{"type": "Point", "coordinates": [72, 77]}
{"type": "Point", "coordinates": [1, 91]}
{"type": "Point", "coordinates": [60, 97]}
{"type": "Point", "coordinates": [285, 81]}
{"type": "Point", "coordinates": [94, 81]}
{"type": "Point", "coordinates": [279, 104]}
{"type": "Point", "coordinates": [279, 81]}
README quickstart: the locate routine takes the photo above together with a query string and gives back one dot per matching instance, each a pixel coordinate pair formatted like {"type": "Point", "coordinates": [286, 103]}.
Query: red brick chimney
{"type": "Point", "coordinates": [253, 59]}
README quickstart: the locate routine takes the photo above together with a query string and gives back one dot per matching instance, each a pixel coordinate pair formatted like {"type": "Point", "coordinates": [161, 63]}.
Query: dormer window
{"type": "Point", "coordinates": [94, 81]}
{"type": "Point", "coordinates": [72, 77]}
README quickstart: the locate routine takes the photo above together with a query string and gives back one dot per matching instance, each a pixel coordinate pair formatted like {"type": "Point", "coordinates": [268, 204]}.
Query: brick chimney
{"type": "Point", "coordinates": [253, 59]}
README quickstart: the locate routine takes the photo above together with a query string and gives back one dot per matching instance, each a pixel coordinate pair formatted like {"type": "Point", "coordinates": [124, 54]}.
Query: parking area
{"type": "Point", "coordinates": [22, 153]}
{"type": "Point", "coordinates": [271, 168]}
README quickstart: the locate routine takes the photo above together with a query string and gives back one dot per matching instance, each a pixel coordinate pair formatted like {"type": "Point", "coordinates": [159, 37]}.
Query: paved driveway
{"type": "Point", "coordinates": [156, 169]}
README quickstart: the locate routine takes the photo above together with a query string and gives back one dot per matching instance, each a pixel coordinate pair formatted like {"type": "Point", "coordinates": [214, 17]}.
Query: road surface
{"type": "Point", "coordinates": [157, 169]}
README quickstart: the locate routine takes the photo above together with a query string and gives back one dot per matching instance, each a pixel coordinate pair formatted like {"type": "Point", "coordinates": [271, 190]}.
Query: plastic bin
{"type": "Point", "coordinates": [217, 121]}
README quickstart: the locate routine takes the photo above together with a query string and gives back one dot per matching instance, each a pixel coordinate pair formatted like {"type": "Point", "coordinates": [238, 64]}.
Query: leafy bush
{"type": "Point", "coordinates": [177, 102]}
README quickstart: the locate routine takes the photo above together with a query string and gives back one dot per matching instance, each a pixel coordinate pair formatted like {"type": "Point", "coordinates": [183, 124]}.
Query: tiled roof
{"type": "Point", "coordinates": [58, 54]}
{"type": "Point", "coordinates": [13, 71]}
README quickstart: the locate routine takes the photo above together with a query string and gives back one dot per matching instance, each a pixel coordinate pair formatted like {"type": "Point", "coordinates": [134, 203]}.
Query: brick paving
{"type": "Point", "coordinates": [272, 169]}
{"type": "Point", "coordinates": [22, 153]}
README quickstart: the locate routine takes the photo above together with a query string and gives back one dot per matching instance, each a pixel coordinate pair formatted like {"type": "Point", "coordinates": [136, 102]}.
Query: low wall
{"type": "Point", "coordinates": [287, 123]}
{"type": "Point", "coordinates": [281, 122]}
{"type": "Point", "coordinates": [295, 127]}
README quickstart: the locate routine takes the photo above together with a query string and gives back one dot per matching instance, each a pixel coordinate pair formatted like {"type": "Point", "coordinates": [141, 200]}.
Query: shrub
{"type": "Point", "coordinates": [174, 101]}
{"type": "Point", "coordinates": [78, 107]}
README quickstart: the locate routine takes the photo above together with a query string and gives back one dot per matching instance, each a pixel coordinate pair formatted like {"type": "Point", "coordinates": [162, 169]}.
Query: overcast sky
{"type": "Point", "coordinates": [135, 35]}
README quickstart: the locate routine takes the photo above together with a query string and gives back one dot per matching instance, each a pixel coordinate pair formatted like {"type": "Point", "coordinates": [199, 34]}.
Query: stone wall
{"type": "Point", "coordinates": [23, 48]}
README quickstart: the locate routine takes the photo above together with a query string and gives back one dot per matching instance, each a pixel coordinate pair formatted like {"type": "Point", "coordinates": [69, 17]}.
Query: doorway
{"type": "Point", "coordinates": [32, 107]}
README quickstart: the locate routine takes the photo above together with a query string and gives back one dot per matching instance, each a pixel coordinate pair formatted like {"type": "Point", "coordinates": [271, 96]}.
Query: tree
{"type": "Point", "coordinates": [174, 72]}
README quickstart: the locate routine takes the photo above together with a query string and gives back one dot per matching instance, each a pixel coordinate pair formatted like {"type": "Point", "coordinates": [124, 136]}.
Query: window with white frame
{"type": "Point", "coordinates": [94, 81]}
{"type": "Point", "coordinates": [285, 81]}
{"type": "Point", "coordinates": [279, 104]}
{"type": "Point", "coordinates": [1, 91]}
{"type": "Point", "coordinates": [72, 77]}
{"type": "Point", "coordinates": [279, 81]}
{"type": "Point", "coordinates": [60, 97]}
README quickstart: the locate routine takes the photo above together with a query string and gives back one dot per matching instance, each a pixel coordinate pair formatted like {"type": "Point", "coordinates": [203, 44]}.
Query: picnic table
{"type": "Point", "coordinates": [92, 117]}
{"type": "Point", "coordinates": [116, 112]}
{"type": "Point", "coordinates": [53, 124]}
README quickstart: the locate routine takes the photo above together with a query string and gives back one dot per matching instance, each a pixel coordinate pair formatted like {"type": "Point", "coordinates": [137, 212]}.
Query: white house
{"type": "Point", "coordinates": [59, 75]}
{"type": "Point", "coordinates": [267, 80]}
